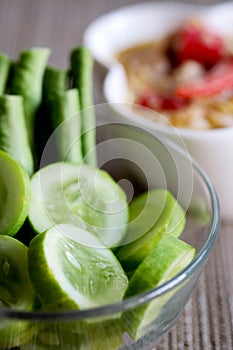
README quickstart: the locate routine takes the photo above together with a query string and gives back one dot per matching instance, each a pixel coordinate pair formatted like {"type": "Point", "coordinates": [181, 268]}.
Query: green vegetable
{"type": "Point", "coordinates": [77, 269]}
{"type": "Point", "coordinates": [169, 257]}
{"type": "Point", "coordinates": [13, 132]}
{"type": "Point", "coordinates": [15, 194]}
{"type": "Point", "coordinates": [26, 80]}
{"type": "Point", "coordinates": [16, 291]}
{"type": "Point", "coordinates": [54, 85]}
{"type": "Point", "coordinates": [66, 120]}
{"type": "Point", "coordinates": [81, 72]}
{"type": "Point", "coordinates": [153, 215]}
{"type": "Point", "coordinates": [80, 195]}
{"type": "Point", "coordinates": [103, 335]}
{"type": "Point", "coordinates": [5, 64]}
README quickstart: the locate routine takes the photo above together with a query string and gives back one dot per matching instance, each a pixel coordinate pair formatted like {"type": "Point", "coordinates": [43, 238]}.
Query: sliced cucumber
{"type": "Point", "coordinates": [95, 336]}
{"type": "Point", "coordinates": [76, 268]}
{"type": "Point", "coordinates": [16, 290]}
{"type": "Point", "coordinates": [83, 196]}
{"type": "Point", "coordinates": [153, 215]}
{"type": "Point", "coordinates": [14, 334]}
{"type": "Point", "coordinates": [169, 257]}
{"type": "Point", "coordinates": [15, 194]}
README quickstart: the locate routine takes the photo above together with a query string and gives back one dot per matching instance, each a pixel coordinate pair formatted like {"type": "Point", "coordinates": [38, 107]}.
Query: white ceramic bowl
{"type": "Point", "coordinates": [139, 23]}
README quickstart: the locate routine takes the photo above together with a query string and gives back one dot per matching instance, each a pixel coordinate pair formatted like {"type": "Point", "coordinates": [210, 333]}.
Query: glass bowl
{"type": "Point", "coordinates": [138, 160]}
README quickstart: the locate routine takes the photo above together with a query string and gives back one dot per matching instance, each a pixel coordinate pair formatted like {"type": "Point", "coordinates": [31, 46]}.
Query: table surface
{"type": "Point", "coordinates": [207, 321]}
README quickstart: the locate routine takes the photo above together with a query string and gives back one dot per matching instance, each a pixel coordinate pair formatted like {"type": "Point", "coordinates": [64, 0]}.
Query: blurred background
{"type": "Point", "coordinates": [58, 24]}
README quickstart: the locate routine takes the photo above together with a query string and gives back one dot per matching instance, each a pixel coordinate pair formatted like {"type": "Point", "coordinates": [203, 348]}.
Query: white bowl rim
{"type": "Point", "coordinates": [99, 24]}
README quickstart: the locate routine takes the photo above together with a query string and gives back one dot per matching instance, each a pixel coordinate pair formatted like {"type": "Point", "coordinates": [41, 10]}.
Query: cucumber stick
{"type": "Point", "coordinates": [54, 85]}
{"type": "Point", "coordinates": [26, 80]}
{"type": "Point", "coordinates": [5, 64]}
{"type": "Point", "coordinates": [13, 132]}
{"type": "Point", "coordinates": [66, 122]}
{"type": "Point", "coordinates": [81, 72]}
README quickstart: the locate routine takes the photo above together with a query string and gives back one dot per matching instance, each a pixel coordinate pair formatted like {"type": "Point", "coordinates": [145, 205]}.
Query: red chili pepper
{"type": "Point", "coordinates": [151, 99]}
{"type": "Point", "coordinates": [212, 83]}
{"type": "Point", "coordinates": [194, 42]}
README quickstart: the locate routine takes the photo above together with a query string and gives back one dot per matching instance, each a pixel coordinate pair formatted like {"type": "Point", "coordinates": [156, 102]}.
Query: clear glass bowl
{"type": "Point", "coordinates": [138, 160]}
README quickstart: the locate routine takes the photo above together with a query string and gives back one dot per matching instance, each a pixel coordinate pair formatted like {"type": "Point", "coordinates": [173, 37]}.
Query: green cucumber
{"type": "Point", "coordinates": [81, 71]}
{"type": "Point", "coordinates": [26, 80]}
{"type": "Point", "coordinates": [66, 120]}
{"type": "Point", "coordinates": [169, 257]}
{"type": "Point", "coordinates": [13, 132]}
{"type": "Point", "coordinates": [16, 291]}
{"type": "Point", "coordinates": [54, 85]}
{"type": "Point", "coordinates": [14, 334]}
{"type": "Point", "coordinates": [15, 194]}
{"type": "Point", "coordinates": [5, 65]}
{"type": "Point", "coordinates": [77, 269]}
{"type": "Point", "coordinates": [80, 195]}
{"type": "Point", "coordinates": [153, 215]}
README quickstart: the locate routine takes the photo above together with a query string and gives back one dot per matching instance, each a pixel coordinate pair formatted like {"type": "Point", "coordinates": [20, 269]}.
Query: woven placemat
{"type": "Point", "coordinates": [207, 320]}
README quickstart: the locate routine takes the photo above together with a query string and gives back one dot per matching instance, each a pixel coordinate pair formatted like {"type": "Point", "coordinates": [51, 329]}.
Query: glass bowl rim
{"type": "Point", "coordinates": [140, 299]}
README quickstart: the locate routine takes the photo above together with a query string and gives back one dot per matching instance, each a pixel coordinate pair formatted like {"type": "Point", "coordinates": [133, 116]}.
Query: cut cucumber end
{"type": "Point", "coordinates": [16, 290]}
{"type": "Point", "coordinates": [77, 269]}
{"type": "Point", "coordinates": [15, 194]}
{"type": "Point", "coordinates": [80, 195]}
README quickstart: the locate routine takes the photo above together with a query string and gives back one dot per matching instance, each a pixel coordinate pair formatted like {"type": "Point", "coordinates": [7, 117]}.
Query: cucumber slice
{"type": "Point", "coordinates": [16, 290]}
{"type": "Point", "coordinates": [96, 336]}
{"type": "Point", "coordinates": [53, 341]}
{"type": "Point", "coordinates": [14, 334]}
{"type": "Point", "coordinates": [153, 215]}
{"type": "Point", "coordinates": [169, 257]}
{"type": "Point", "coordinates": [102, 335]}
{"type": "Point", "coordinates": [83, 196]}
{"type": "Point", "coordinates": [15, 194]}
{"type": "Point", "coordinates": [70, 268]}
